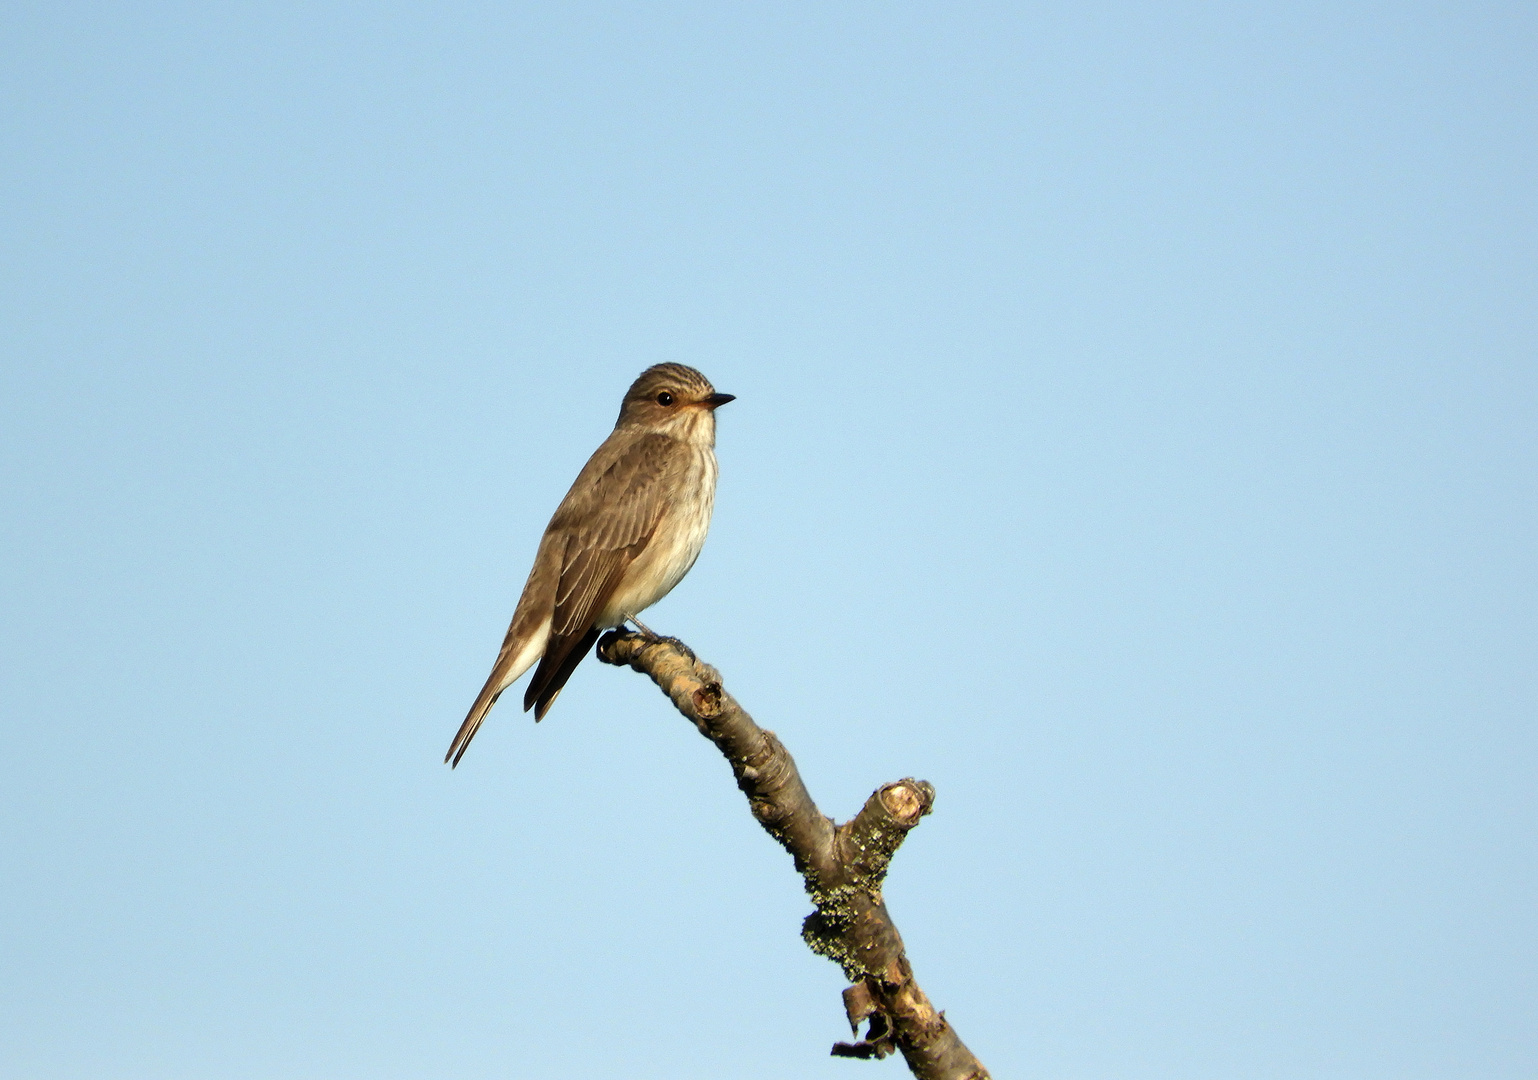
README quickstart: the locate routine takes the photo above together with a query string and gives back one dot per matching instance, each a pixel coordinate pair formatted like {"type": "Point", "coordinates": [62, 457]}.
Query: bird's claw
{"type": "Point", "coordinates": [680, 646]}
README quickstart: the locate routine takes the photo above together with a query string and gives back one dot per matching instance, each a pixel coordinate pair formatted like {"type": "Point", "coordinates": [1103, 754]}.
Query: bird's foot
{"type": "Point", "coordinates": [654, 638]}
{"type": "Point", "coordinates": [645, 630]}
{"type": "Point", "coordinates": [681, 647]}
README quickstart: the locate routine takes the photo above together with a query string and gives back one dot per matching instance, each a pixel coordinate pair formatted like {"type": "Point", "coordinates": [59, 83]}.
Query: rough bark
{"type": "Point", "coordinates": [843, 866]}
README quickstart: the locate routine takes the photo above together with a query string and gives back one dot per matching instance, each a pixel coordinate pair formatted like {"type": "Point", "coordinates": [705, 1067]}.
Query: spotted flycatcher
{"type": "Point", "coordinates": [627, 532]}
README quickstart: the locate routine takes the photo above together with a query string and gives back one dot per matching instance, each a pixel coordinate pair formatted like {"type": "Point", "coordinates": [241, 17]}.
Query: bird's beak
{"type": "Point", "coordinates": [715, 401]}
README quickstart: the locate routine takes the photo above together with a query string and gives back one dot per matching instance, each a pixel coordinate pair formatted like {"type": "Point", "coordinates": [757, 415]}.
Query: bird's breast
{"type": "Point", "coordinates": [676, 543]}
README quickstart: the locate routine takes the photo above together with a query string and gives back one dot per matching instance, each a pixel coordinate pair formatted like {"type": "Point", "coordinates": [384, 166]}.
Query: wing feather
{"type": "Point", "coordinates": [609, 516]}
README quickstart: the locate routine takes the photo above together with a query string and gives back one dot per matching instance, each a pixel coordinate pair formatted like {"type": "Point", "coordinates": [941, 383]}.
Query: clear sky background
{"type": "Point", "coordinates": [1137, 438]}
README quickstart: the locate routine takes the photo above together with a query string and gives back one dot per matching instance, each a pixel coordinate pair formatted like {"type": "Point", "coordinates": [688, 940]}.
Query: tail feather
{"type": "Point", "coordinates": [472, 723]}
{"type": "Point", "coordinates": [519, 651]}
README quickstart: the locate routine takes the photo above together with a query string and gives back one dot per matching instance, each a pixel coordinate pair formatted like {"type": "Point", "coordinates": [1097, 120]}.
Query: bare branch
{"type": "Point", "coordinates": [843, 867]}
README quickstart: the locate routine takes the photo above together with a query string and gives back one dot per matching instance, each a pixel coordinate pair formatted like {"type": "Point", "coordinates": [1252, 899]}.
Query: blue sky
{"type": "Point", "coordinates": [1137, 438]}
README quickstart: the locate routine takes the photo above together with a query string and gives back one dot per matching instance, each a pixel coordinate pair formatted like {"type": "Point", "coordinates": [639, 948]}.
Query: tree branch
{"type": "Point", "coordinates": [843, 867]}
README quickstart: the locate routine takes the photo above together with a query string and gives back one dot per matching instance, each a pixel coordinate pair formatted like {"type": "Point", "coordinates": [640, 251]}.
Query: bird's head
{"type": "Point", "coordinates": [675, 400]}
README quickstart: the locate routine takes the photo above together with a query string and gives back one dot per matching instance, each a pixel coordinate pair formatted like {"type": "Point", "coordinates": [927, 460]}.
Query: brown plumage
{"type": "Point", "coordinates": [628, 531]}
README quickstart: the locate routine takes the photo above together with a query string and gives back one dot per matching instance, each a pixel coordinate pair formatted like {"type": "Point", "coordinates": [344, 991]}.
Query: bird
{"type": "Point", "coordinates": [629, 529]}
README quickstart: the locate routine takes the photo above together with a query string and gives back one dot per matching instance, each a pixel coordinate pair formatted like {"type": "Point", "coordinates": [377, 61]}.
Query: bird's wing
{"type": "Point", "coordinates": [606, 521]}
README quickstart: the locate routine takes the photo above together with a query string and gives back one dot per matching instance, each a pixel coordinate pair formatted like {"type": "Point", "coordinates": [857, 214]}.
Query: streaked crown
{"type": "Point", "coordinates": [672, 398]}
{"type": "Point", "coordinates": [679, 379]}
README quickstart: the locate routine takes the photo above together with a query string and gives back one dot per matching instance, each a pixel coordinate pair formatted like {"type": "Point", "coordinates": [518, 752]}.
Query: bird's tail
{"type": "Point", "coordinates": [483, 703]}
{"type": "Point", "coordinates": [519, 651]}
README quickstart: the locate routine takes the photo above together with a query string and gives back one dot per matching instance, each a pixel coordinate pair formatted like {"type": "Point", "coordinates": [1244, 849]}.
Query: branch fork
{"type": "Point", "coordinates": [843, 866]}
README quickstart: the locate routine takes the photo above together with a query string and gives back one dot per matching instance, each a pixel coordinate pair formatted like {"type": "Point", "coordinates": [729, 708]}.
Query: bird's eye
{"type": "Point", "coordinates": [664, 398]}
